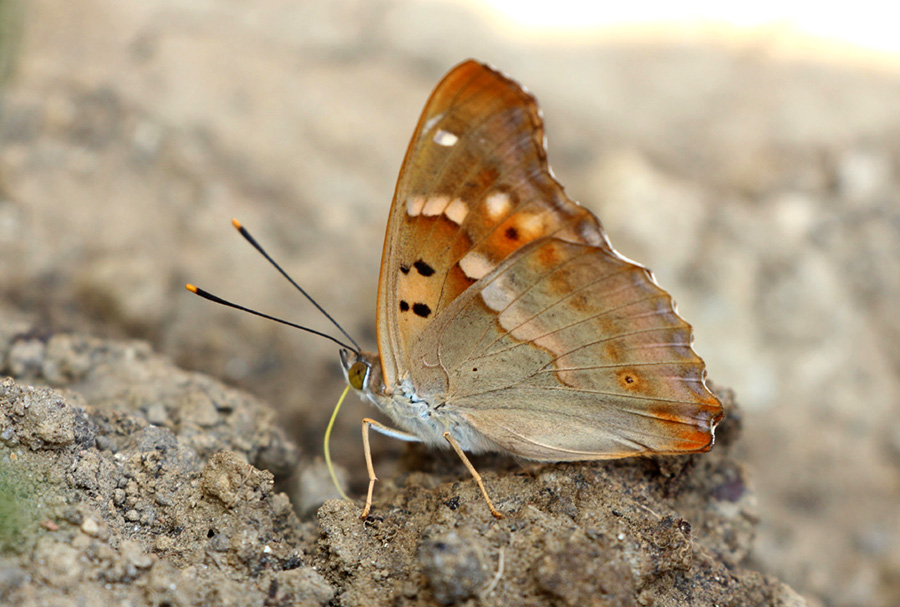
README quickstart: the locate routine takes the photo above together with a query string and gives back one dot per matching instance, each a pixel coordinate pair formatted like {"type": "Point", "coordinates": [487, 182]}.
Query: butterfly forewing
{"type": "Point", "coordinates": [473, 189]}
{"type": "Point", "coordinates": [502, 301]}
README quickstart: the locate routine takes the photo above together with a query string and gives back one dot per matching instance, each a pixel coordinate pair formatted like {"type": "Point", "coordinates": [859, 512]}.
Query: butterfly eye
{"type": "Point", "coordinates": [357, 374]}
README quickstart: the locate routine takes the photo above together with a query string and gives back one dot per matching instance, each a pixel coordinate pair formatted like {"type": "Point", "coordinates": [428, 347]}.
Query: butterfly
{"type": "Point", "coordinates": [505, 319]}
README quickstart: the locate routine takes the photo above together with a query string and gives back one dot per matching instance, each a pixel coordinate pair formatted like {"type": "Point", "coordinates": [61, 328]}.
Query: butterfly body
{"type": "Point", "coordinates": [506, 320]}
{"type": "Point", "coordinates": [428, 421]}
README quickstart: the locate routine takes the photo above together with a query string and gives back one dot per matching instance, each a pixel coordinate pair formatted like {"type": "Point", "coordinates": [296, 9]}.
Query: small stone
{"type": "Point", "coordinates": [90, 527]}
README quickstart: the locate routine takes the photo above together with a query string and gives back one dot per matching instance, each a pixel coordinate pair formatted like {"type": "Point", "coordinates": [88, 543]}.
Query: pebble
{"type": "Point", "coordinates": [90, 527]}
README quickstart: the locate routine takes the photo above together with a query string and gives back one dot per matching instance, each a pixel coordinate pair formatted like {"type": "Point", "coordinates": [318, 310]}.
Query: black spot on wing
{"type": "Point", "coordinates": [403, 306]}
{"type": "Point", "coordinates": [423, 268]}
{"type": "Point", "coordinates": [404, 269]}
{"type": "Point", "coordinates": [420, 309]}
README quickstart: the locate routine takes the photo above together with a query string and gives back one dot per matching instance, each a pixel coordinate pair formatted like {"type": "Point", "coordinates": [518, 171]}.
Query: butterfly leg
{"type": "Point", "coordinates": [387, 431]}
{"type": "Point", "coordinates": [473, 472]}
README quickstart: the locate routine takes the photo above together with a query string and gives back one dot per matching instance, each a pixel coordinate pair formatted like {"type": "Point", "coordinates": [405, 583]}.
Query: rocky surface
{"type": "Point", "coordinates": [758, 176]}
{"type": "Point", "coordinates": [130, 480]}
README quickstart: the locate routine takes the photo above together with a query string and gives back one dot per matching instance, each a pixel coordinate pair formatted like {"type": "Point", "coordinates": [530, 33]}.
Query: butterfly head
{"type": "Point", "coordinates": [363, 371]}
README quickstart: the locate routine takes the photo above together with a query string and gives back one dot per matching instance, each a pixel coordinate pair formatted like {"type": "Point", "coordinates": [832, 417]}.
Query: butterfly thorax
{"type": "Point", "coordinates": [425, 419]}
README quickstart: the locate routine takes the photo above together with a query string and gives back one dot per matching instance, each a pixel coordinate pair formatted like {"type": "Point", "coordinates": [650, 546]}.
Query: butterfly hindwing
{"type": "Point", "coordinates": [567, 352]}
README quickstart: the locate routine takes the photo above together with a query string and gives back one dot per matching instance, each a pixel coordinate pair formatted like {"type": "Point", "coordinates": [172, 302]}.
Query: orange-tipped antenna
{"type": "Point", "coordinates": [225, 302]}
{"type": "Point", "coordinates": [256, 245]}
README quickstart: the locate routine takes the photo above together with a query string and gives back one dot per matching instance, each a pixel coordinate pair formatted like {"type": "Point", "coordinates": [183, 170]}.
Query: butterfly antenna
{"type": "Point", "coordinates": [225, 302]}
{"type": "Point", "coordinates": [240, 228]}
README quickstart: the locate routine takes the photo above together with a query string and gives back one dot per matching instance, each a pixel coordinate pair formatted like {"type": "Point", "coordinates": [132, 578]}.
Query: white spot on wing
{"type": "Point", "coordinates": [456, 211]}
{"type": "Point", "coordinates": [530, 224]}
{"type": "Point", "coordinates": [435, 205]}
{"type": "Point", "coordinates": [497, 205]}
{"type": "Point", "coordinates": [445, 138]}
{"type": "Point", "coordinates": [475, 265]}
{"type": "Point", "coordinates": [414, 205]}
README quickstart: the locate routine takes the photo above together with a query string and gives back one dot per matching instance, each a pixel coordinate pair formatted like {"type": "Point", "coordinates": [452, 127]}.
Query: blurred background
{"type": "Point", "coordinates": [751, 159]}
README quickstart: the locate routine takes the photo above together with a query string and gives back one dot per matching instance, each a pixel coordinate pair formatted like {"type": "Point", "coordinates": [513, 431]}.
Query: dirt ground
{"type": "Point", "coordinates": [758, 179]}
{"type": "Point", "coordinates": [134, 482]}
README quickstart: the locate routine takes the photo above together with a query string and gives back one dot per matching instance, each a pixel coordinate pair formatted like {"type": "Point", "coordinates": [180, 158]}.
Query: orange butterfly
{"type": "Point", "coordinates": [506, 320]}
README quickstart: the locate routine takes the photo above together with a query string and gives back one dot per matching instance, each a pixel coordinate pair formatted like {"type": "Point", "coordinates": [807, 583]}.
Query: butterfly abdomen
{"type": "Point", "coordinates": [429, 421]}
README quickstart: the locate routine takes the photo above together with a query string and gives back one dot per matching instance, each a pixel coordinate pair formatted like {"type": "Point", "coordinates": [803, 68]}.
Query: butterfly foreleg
{"type": "Point", "coordinates": [387, 431]}
{"type": "Point", "coordinates": [472, 471]}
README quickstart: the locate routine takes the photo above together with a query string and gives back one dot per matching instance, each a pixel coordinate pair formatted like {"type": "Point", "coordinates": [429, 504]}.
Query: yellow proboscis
{"type": "Point", "coordinates": [328, 463]}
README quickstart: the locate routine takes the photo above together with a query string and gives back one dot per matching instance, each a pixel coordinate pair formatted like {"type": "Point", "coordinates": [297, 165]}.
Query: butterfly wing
{"type": "Point", "coordinates": [569, 352]}
{"type": "Point", "coordinates": [503, 302]}
{"type": "Point", "coordinates": [474, 188]}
